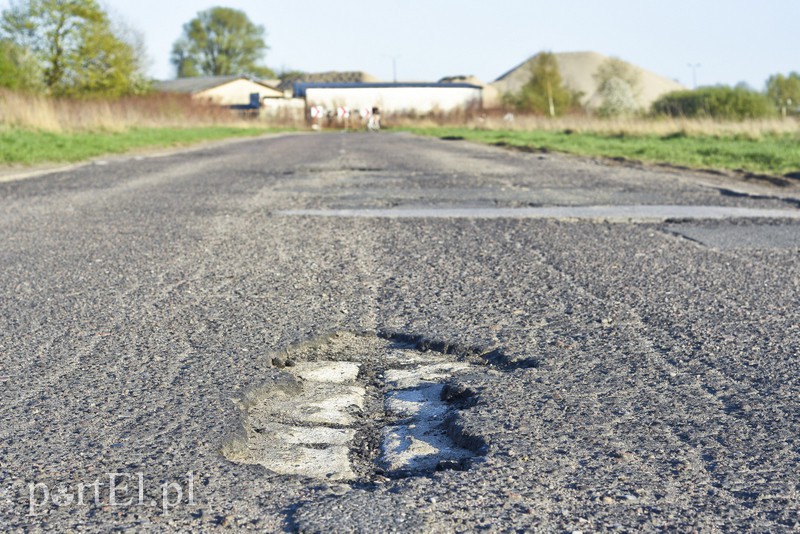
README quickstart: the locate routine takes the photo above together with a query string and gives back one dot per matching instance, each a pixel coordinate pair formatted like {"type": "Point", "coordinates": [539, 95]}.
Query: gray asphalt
{"type": "Point", "coordinates": [634, 373]}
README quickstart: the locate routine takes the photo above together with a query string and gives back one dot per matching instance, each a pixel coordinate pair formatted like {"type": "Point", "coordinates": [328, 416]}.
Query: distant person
{"type": "Point", "coordinates": [374, 123]}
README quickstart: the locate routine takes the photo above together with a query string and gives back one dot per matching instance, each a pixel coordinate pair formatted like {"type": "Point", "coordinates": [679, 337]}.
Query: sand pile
{"type": "Point", "coordinates": [577, 70]}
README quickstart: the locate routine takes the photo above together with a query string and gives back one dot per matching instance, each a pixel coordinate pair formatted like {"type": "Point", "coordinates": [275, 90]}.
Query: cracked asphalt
{"type": "Point", "coordinates": [649, 373]}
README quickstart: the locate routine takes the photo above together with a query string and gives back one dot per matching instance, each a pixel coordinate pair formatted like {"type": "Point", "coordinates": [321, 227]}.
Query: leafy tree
{"type": "Point", "coordinates": [545, 92]}
{"type": "Point", "coordinates": [785, 91]}
{"type": "Point", "coordinates": [185, 65]}
{"type": "Point", "coordinates": [618, 98]}
{"type": "Point", "coordinates": [75, 46]}
{"type": "Point", "coordinates": [18, 68]}
{"type": "Point", "coordinates": [613, 68]}
{"type": "Point", "coordinates": [220, 41]}
{"type": "Point", "coordinates": [721, 102]}
{"type": "Point", "coordinates": [619, 86]}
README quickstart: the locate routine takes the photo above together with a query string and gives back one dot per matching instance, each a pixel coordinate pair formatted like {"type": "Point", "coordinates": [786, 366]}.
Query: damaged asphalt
{"type": "Point", "coordinates": [637, 374]}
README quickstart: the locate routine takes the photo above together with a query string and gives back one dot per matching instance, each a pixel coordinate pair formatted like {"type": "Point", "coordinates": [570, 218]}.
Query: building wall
{"type": "Point", "coordinates": [237, 92]}
{"type": "Point", "coordinates": [395, 99]}
{"type": "Point", "coordinates": [491, 97]}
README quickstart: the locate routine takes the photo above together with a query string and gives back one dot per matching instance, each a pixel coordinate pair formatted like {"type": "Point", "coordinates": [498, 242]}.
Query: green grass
{"type": "Point", "coordinates": [774, 155]}
{"type": "Point", "coordinates": [29, 147]}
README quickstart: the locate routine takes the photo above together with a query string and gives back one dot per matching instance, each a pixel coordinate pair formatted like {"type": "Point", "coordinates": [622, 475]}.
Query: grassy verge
{"type": "Point", "coordinates": [775, 155]}
{"type": "Point", "coordinates": [21, 146]}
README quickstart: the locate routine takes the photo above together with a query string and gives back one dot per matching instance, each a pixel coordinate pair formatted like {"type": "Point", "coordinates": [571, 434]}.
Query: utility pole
{"type": "Point", "coordinates": [694, 67]}
{"type": "Point", "coordinates": [394, 67]}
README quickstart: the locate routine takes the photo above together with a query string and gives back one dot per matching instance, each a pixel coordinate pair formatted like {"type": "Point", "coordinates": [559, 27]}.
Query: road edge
{"type": "Point", "coordinates": [13, 174]}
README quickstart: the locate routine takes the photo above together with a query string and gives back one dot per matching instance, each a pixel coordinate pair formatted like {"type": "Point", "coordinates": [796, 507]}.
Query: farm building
{"type": "Point", "coordinates": [223, 90]}
{"type": "Point", "coordinates": [391, 97]}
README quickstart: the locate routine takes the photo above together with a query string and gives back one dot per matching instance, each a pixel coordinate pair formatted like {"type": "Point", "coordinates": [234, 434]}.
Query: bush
{"type": "Point", "coordinates": [737, 103]}
{"type": "Point", "coordinates": [618, 99]}
{"type": "Point", "coordinates": [785, 92]}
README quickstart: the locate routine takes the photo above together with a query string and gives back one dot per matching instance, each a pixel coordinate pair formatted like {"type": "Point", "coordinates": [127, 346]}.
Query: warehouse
{"type": "Point", "coordinates": [391, 97]}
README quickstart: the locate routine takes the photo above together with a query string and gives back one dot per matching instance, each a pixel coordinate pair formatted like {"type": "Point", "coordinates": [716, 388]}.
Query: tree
{"type": "Point", "coordinates": [619, 86]}
{"type": "Point", "coordinates": [220, 41]}
{"type": "Point", "coordinates": [785, 92]}
{"type": "Point", "coordinates": [618, 98]}
{"type": "Point", "coordinates": [185, 65]}
{"type": "Point", "coordinates": [18, 68]}
{"type": "Point", "coordinates": [614, 67]}
{"type": "Point", "coordinates": [545, 92]}
{"type": "Point", "coordinates": [74, 45]}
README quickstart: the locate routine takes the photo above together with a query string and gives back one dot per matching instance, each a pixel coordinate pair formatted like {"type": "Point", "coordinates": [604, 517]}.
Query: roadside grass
{"type": "Point", "coordinates": [27, 147]}
{"type": "Point", "coordinates": [774, 154]}
{"type": "Point", "coordinates": [38, 129]}
{"type": "Point", "coordinates": [609, 126]}
{"type": "Point", "coordinates": [41, 113]}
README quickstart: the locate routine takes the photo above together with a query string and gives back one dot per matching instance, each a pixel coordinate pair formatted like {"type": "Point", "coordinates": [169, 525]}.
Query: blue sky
{"type": "Point", "coordinates": [732, 40]}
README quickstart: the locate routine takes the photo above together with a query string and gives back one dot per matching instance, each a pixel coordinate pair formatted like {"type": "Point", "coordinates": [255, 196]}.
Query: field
{"type": "Point", "coordinates": [35, 129]}
{"type": "Point", "coordinates": [768, 147]}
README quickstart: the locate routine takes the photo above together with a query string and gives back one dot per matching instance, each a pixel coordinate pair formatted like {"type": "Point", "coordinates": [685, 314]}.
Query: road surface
{"type": "Point", "coordinates": [342, 332]}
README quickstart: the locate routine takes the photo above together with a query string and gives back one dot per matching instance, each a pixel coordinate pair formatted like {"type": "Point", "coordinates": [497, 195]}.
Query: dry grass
{"type": "Point", "coordinates": [661, 127]}
{"type": "Point", "coordinates": [32, 112]}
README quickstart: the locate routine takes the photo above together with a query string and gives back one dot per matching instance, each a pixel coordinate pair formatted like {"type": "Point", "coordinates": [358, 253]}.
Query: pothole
{"type": "Point", "coordinates": [355, 407]}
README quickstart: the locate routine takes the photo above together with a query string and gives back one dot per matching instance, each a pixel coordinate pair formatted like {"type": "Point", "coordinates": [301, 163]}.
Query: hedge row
{"type": "Point", "coordinates": [716, 102]}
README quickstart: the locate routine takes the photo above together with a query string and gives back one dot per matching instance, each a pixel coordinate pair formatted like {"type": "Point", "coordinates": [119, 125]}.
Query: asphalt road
{"type": "Point", "coordinates": [636, 371]}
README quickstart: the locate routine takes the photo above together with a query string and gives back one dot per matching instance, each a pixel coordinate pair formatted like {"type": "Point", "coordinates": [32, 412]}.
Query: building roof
{"type": "Point", "coordinates": [463, 78]}
{"type": "Point", "coordinates": [199, 83]}
{"type": "Point", "coordinates": [274, 82]}
{"type": "Point", "coordinates": [300, 88]}
{"type": "Point", "coordinates": [328, 77]}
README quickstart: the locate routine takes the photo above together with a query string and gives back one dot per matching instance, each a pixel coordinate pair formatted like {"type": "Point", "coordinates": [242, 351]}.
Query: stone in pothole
{"type": "Point", "coordinates": [432, 372]}
{"type": "Point", "coordinates": [298, 432]}
{"type": "Point", "coordinates": [420, 441]}
{"type": "Point", "coordinates": [331, 372]}
{"type": "Point", "coordinates": [330, 462]}
{"type": "Point", "coordinates": [307, 435]}
{"type": "Point", "coordinates": [409, 402]}
{"type": "Point", "coordinates": [318, 402]}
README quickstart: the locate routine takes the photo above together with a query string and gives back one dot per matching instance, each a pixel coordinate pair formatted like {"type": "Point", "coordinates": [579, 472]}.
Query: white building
{"type": "Point", "coordinates": [391, 97]}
